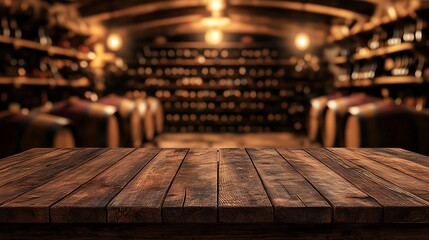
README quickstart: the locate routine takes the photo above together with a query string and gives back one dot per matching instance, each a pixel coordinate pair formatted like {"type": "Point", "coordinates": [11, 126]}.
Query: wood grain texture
{"type": "Point", "coordinates": [400, 179]}
{"type": "Point", "coordinates": [407, 155]}
{"type": "Point", "coordinates": [142, 198]}
{"type": "Point", "coordinates": [24, 156]}
{"type": "Point", "coordinates": [88, 203]}
{"type": "Point", "coordinates": [51, 168]}
{"type": "Point", "coordinates": [43, 197]}
{"type": "Point", "coordinates": [12, 172]}
{"type": "Point", "coordinates": [350, 204]}
{"type": "Point", "coordinates": [192, 197]}
{"type": "Point", "coordinates": [225, 187]}
{"type": "Point", "coordinates": [398, 204]}
{"type": "Point", "coordinates": [242, 197]}
{"type": "Point", "coordinates": [413, 169]}
{"type": "Point", "coordinates": [293, 198]}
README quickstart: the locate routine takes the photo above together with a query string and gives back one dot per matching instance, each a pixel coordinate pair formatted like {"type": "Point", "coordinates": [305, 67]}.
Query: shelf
{"type": "Point", "coordinates": [220, 62]}
{"type": "Point", "coordinates": [362, 83]}
{"type": "Point", "coordinates": [384, 51]}
{"type": "Point", "coordinates": [245, 122]}
{"type": "Point", "coordinates": [384, 80]}
{"type": "Point", "coordinates": [342, 84]}
{"type": "Point", "coordinates": [208, 87]}
{"type": "Point", "coordinates": [365, 27]}
{"type": "Point", "coordinates": [220, 99]}
{"type": "Point", "coordinates": [221, 111]}
{"type": "Point", "coordinates": [353, 83]}
{"type": "Point", "coordinates": [17, 81]}
{"type": "Point", "coordinates": [398, 80]}
{"type": "Point", "coordinates": [339, 60]}
{"type": "Point", "coordinates": [51, 50]}
{"type": "Point", "coordinates": [197, 45]}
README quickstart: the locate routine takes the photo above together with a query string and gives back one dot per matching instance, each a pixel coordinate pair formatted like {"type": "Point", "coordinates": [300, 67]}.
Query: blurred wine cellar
{"type": "Point", "coordinates": [292, 73]}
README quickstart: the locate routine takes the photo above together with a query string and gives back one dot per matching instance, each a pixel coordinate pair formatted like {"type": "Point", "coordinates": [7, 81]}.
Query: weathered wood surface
{"type": "Point", "coordinates": [193, 194]}
{"type": "Point", "coordinates": [293, 198]}
{"type": "Point", "coordinates": [222, 186]}
{"type": "Point", "coordinates": [242, 197]}
{"type": "Point", "coordinates": [351, 205]}
{"type": "Point", "coordinates": [88, 202]}
{"type": "Point", "coordinates": [141, 200]}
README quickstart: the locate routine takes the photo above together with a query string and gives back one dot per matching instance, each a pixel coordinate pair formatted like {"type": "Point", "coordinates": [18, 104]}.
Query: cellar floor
{"type": "Point", "coordinates": [231, 140]}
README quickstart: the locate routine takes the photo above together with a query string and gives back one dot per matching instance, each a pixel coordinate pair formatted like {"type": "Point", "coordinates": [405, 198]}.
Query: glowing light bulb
{"type": "Point", "coordinates": [302, 41]}
{"type": "Point", "coordinates": [216, 5]}
{"type": "Point", "coordinates": [214, 36]}
{"type": "Point", "coordinates": [114, 42]}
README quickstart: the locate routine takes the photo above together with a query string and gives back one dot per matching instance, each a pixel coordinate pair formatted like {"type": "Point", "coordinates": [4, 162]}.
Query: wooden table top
{"type": "Point", "coordinates": [150, 185]}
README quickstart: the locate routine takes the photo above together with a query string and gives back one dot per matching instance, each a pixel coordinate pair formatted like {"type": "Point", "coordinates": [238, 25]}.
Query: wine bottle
{"type": "Point", "coordinates": [5, 27]}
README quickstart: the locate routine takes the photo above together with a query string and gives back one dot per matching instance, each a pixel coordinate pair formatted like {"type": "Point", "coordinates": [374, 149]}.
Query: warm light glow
{"type": "Point", "coordinates": [92, 55]}
{"type": "Point", "coordinates": [215, 21]}
{"type": "Point", "coordinates": [391, 11]}
{"type": "Point", "coordinates": [302, 41]}
{"type": "Point", "coordinates": [114, 42]}
{"type": "Point", "coordinates": [332, 104]}
{"type": "Point", "coordinates": [216, 5]}
{"type": "Point", "coordinates": [214, 36]}
{"type": "Point", "coordinates": [354, 110]}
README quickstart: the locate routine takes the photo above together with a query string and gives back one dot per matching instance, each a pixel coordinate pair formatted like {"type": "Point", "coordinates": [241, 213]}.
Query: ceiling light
{"type": "Point", "coordinates": [114, 42]}
{"type": "Point", "coordinates": [214, 36]}
{"type": "Point", "coordinates": [302, 41]}
{"type": "Point", "coordinates": [216, 5]}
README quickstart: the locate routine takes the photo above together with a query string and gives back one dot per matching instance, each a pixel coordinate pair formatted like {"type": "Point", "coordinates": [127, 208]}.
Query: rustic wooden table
{"type": "Point", "coordinates": [222, 193]}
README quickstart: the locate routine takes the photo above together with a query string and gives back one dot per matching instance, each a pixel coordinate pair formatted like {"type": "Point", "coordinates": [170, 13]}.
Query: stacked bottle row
{"type": "Point", "coordinates": [31, 20]}
{"type": "Point", "coordinates": [236, 108]}
{"type": "Point", "coordinates": [238, 89]}
{"type": "Point", "coordinates": [34, 64]}
{"type": "Point", "coordinates": [391, 50]}
{"type": "Point", "coordinates": [36, 44]}
{"type": "Point", "coordinates": [148, 54]}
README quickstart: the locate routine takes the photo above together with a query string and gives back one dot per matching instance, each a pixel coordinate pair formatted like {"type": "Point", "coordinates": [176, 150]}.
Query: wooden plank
{"type": "Point", "coordinates": [413, 169]}
{"type": "Point", "coordinates": [88, 203]}
{"type": "Point", "coordinates": [242, 197]}
{"type": "Point", "coordinates": [192, 197]}
{"type": "Point", "coordinates": [404, 181]}
{"type": "Point", "coordinates": [398, 205]}
{"type": "Point", "coordinates": [53, 167]}
{"type": "Point", "coordinates": [24, 156]}
{"type": "Point", "coordinates": [13, 172]}
{"type": "Point", "coordinates": [142, 198]}
{"type": "Point", "coordinates": [407, 155]}
{"type": "Point", "coordinates": [33, 206]}
{"type": "Point", "coordinates": [293, 198]}
{"type": "Point", "coordinates": [350, 204]}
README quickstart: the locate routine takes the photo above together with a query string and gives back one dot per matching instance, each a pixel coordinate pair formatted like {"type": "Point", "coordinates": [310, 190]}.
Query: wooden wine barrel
{"type": "Point", "coordinates": [316, 118]}
{"type": "Point", "coordinates": [96, 124]}
{"type": "Point", "coordinates": [336, 114]}
{"type": "Point", "coordinates": [21, 132]}
{"type": "Point", "coordinates": [147, 119]}
{"type": "Point", "coordinates": [129, 120]}
{"type": "Point", "coordinates": [382, 124]}
{"type": "Point", "coordinates": [158, 113]}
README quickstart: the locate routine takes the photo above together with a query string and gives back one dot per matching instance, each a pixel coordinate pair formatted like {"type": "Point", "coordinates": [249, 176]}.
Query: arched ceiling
{"type": "Point", "coordinates": [279, 18]}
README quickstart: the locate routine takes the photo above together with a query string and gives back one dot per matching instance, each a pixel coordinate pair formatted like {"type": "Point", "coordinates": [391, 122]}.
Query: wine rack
{"type": "Point", "coordinates": [230, 89]}
{"type": "Point", "coordinates": [41, 52]}
{"type": "Point", "coordinates": [390, 53]}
